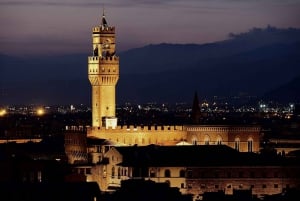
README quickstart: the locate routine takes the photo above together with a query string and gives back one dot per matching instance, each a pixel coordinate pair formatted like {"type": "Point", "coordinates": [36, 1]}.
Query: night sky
{"type": "Point", "coordinates": [50, 27]}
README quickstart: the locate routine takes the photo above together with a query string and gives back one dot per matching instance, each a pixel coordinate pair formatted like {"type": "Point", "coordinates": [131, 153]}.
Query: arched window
{"type": "Point", "coordinates": [167, 173]}
{"type": "Point", "coordinates": [113, 172]}
{"type": "Point", "coordinates": [237, 144]}
{"type": "Point", "coordinates": [206, 140]}
{"type": "Point", "coordinates": [250, 144]}
{"type": "Point", "coordinates": [194, 140]}
{"type": "Point", "coordinates": [219, 140]}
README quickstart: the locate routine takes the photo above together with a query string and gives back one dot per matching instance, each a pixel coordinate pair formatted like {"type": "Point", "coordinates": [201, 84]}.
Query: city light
{"type": "Point", "coordinates": [2, 112]}
{"type": "Point", "coordinates": [40, 112]}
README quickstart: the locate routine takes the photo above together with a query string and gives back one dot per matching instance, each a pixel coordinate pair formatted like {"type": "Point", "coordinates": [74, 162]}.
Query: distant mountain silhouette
{"type": "Point", "coordinates": [251, 63]}
{"type": "Point", "coordinates": [286, 93]}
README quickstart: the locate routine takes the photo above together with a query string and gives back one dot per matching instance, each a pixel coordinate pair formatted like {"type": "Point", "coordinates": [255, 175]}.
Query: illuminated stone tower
{"type": "Point", "coordinates": [103, 73]}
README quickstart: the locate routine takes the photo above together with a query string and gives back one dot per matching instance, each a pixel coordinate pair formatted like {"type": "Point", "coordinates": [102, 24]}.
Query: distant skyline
{"type": "Point", "coordinates": [50, 27]}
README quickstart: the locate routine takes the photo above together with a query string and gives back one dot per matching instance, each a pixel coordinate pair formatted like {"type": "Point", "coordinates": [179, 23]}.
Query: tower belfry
{"type": "Point", "coordinates": [103, 73]}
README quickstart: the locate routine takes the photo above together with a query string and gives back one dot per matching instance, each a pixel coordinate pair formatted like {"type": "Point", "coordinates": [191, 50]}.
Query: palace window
{"type": "Point", "coordinates": [219, 140]}
{"type": "Point", "coordinates": [113, 171]}
{"type": "Point", "coordinates": [237, 144]}
{"type": "Point", "coordinates": [206, 140]}
{"type": "Point", "coordinates": [250, 145]}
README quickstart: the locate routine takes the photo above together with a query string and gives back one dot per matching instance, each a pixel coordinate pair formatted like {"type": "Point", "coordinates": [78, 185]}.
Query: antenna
{"type": "Point", "coordinates": [103, 10]}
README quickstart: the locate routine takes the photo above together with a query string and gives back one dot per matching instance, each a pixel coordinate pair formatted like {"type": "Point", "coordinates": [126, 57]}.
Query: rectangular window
{"type": "Point", "coordinates": [216, 186]}
{"type": "Point", "coordinates": [250, 146]}
{"type": "Point", "coordinates": [275, 185]}
{"type": "Point", "coordinates": [182, 185]}
{"type": "Point", "coordinates": [264, 186]}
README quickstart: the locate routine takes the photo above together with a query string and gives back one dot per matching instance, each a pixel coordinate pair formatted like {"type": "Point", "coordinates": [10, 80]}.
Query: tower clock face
{"type": "Point", "coordinates": [106, 44]}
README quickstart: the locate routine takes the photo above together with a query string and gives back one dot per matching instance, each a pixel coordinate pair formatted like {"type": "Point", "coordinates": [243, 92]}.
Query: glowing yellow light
{"type": "Point", "coordinates": [40, 112]}
{"type": "Point", "coordinates": [2, 112]}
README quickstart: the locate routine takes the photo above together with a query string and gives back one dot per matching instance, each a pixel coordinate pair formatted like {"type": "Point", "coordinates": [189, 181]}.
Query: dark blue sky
{"type": "Point", "coordinates": [31, 27]}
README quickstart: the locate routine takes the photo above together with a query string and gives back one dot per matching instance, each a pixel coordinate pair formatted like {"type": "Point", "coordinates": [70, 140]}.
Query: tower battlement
{"type": "Point", "coordinates": [103, 60]}
{"type": "Point", "coordinates": [105, 30]}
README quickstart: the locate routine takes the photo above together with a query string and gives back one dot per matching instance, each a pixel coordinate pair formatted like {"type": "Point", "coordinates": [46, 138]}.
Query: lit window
{"type": "Point", "coordinates": [219, 140]}
{"type": "Point", "coordinates": [237, 144]}
{"type": "Point", "coordinates": [206, 140]}
{"type": "Point", "coordinates": [250, 145]}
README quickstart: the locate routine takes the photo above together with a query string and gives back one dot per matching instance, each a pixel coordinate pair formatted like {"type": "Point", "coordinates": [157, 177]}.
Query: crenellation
{"type": "Point", "coordinates": [98, 59]}
{"type": "Point", "coordinates": [100, 29]}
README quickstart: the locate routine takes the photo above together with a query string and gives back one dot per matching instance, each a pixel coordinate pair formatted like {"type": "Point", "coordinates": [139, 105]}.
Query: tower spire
{"type": "Point", "coordinates": [196, 113]}
{"type": "Point", "coordinates": [103, 21]}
